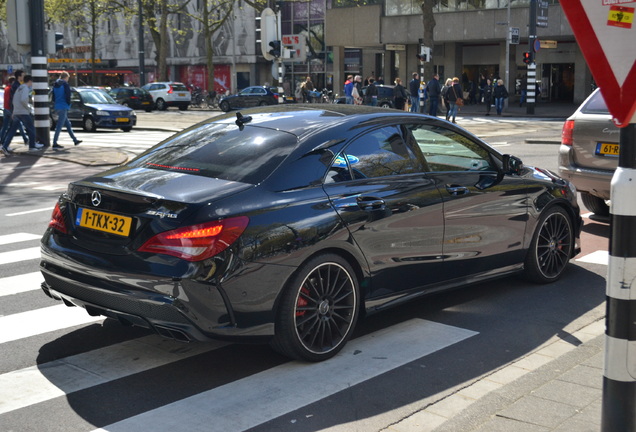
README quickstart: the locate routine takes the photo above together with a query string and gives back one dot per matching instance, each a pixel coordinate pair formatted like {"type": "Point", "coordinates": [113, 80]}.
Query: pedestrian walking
{"type": "Point", "coordinates": [371, 96]}
{"type": "Point", "coordinates": [488, 96]}
{"type": "Point", "coordinates": [414, 88]}
{"type": "Point", "coordinates": [348, 89]}
{"type": "Point", "coordinates": [447, 85]}
{"type": "Point", "coordinates": [399, 95]}
{"type": "Point", "coordinates": [22, 113]}
{"type": "Point", "coordinates": [500, 94]}
{"type": "Point", "coordinates": [7, 113]}
{"type": "Point", "coordinates": [62, 103]}
{"type": "Point", "coordinates": [454, 95]}
{"type": "Point", "coordinates": [434, 90]}
{"type": "Point", "coordinates": [357, 90]}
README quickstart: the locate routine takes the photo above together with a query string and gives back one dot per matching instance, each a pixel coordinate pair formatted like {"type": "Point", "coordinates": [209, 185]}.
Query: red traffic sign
{"type": "Point", "coordinates": [605, 32]}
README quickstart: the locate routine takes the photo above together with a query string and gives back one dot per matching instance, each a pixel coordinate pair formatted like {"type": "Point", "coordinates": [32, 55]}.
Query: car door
{"type": "Point", "coordinates": [392, 210]}
{"type": "Point", "coordinates": [485, 210]}
{"type": "Point", "coordinates": [76, 111]}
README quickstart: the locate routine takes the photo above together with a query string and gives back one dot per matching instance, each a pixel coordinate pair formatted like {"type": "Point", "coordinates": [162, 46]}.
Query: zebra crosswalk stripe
{"type": "Point", "coordinates": [20, 283]}
{"type": "Point", "coordinates": [269, 394]}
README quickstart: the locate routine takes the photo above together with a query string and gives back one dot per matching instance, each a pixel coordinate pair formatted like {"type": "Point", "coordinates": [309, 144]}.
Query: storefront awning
{"type": "Point", "coordinates": [88, 71]}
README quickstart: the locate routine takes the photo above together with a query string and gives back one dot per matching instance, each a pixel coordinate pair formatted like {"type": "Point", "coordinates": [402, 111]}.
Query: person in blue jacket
{"type": "Point", "coordinates": [62, 101]}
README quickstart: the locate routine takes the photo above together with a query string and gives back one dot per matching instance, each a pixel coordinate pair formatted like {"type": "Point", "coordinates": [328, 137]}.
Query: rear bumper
{"type": "Point", "coordinates": [593, 181]}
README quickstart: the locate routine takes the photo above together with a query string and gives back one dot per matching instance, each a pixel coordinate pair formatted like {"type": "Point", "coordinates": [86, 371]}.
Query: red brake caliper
{"type": "Point", "coordinates": [302, 302]}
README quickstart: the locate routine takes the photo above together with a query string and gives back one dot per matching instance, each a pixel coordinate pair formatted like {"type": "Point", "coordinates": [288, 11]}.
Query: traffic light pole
{"type": "Point", "coordinates": [39, 72]}
{"type": "Point", "coordinates": [531, 80]}
{"type": "Point", "coordinates": [619, 375]}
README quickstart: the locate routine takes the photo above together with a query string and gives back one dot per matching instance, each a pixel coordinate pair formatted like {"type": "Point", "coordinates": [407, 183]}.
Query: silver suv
{"type": "Point", "coordinates": [167, 94]}
{"type": "Point", "coordinates": [588, 155]}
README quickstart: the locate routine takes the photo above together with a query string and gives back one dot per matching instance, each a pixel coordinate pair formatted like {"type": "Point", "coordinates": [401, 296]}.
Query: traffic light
{"type": "Point", "coordinates": [424, 55]}
{"type": "Point", "coordinates": [276, 48]}
{"type": "Point", "coordinates": [52, 38]}
{"type": "Point", "coordinates": [526, 58]}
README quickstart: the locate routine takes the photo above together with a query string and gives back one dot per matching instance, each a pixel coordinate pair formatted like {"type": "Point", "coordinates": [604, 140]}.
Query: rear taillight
{"type": "Point", "coordinates": [276, 96]}
{"type": "Point", "coordinates": [170, 90]}
{"type": "Point", "coordinates": [57, 220]}
{"type": "Point", "coordinates": [567, 132]}
{"type": "Point", "coordinates": [197, 242]}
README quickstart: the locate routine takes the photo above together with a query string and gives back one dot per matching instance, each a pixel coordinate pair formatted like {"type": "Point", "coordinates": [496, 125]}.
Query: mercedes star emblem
{"type": "Point", "coordinates": [96, 198]}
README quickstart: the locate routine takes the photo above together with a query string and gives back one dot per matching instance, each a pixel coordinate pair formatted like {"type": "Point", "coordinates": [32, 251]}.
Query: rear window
{"type": "Point", "coordinates": [595, 105]}
{"type": "Point", "coordinates": [221, 151]}
{"type": "Point", "coordinates": [179, 87]}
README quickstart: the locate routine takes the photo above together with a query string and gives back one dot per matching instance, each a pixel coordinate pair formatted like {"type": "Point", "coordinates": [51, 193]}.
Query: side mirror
{"type": "Point", "coordinates": [512, 164]}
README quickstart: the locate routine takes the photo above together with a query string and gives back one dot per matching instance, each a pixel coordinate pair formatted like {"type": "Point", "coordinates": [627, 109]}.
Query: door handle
{"type": "Point", "coordinates": [456, 190]}
{"type": "Point", "coordinates": [370, 203]}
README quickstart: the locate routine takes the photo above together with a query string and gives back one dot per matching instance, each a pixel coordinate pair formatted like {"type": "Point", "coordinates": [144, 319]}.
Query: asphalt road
{"type": "Point", "coordinates": [61, 370]}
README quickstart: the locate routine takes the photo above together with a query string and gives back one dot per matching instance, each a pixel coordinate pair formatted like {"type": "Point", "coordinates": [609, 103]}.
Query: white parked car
{"type": "Point", "coordinates": [167, 94]}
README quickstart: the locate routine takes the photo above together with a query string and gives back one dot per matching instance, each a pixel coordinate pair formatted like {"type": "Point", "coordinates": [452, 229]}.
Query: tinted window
{"type": "Point", "coordinates": [179, 87]}
{"type": "Point", "coordinates": [222, 151]}
{"type": "Point", "coordinates": [379, 153]}
{"type": "Point", "coordinates": [595, 105]}
{"type": "Point", "coordinates": [97, 97]}
{"type": "Point", "coordinates": [446, 150]}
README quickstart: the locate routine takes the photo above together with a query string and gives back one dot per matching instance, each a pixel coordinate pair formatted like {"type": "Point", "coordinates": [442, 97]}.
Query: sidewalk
{"type": "Point", "coordinates": [556, 388]}
{"type": "Point", "coordinates": [174, 121]}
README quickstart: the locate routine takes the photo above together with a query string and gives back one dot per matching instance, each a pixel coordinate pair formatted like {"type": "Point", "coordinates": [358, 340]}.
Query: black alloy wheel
{"type": "Point", "coordinates": [225, 106]}
{"type": "Point", "coordinates": [551, 247]}
{"type": "Point", "coordinates": [318, 310]}
{"type": "Point", "coordinates": [161, 105]}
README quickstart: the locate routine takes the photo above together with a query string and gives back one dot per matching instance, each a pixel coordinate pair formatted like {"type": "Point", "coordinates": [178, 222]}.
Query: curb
{"type": "Point", "coordinates": [455, 411]}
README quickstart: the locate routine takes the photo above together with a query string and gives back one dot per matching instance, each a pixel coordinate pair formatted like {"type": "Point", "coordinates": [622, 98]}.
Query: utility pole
{"type": "Point", "coordinates": [532, 66]}
{"type": "Point", "coordinates": [142, 54]}
{"type": "Point", "coordinates": [39, 72]}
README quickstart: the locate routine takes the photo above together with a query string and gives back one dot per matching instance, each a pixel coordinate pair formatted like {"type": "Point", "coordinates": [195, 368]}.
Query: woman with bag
{"type": "Point", "coordinates": [399, 95]}
{"type": "Point", "coordinates": [455, 100]}
{"type": "Point", "coordinates": [447, 85]}
{"type": "Point", "coordinates": [500, 94]}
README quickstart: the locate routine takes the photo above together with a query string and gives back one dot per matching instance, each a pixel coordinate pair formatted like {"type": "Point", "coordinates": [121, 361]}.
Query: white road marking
{"type": "Point", "coordinates": [18, 237]}
{"type": "Point", "coordinates": [40, 321]}
{"type": "Point", "coordinates": [19, 255]}
{"type": "Point", "coordinates": [48, 209]}
{"type": "Point", "coordinates": [21, 388]}
{"type": "Point", "coordinates": [597, 257]}
{"type": "Point", "coordinates": [20, 283]}
{"type": "Point", "coordinates": [251, 401]}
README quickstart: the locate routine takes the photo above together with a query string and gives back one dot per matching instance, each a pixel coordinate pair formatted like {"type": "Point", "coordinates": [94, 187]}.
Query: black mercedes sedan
{"type": "Point", "coordinates": [286, 224]}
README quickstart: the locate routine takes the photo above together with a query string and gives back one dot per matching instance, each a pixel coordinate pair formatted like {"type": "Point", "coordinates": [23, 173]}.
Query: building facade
{"type": "Point", "coordinates": [365, 37]}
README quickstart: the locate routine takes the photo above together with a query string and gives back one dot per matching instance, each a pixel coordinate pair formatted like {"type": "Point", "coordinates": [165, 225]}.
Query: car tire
{"type": "Point", "coordinates": [551, 247]}
{"type": "Point", "coordinates": [318, 309]}
{"type": "Point", "coordinates": [385, 105]}
{"type": "Point", "coordinates": [127, 129]}
{"type": "Point", "coordinates": [183, 107]}
{"type": "Point", "coordinates": [161, 105]}
{"type": "Point", "coordinates": [596, 205]}
{"type": "Point", "coordinates": [263, 103]}
{"type": "Point", "coordinates": [225, 106]}
{"type": "Point", "coordinates": [89, 124]}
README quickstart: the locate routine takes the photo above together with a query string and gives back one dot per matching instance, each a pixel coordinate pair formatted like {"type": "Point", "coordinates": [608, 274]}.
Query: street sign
{"type": "Point", "coordinates": [548, 44]}
{"type": "Point", "coordinates": [514, 35]}
{"type": "Point", "coordinates": [542, 13]}
{"type": "Point", "coordinates": [298, 46]}
{"type": "Point", "coordinates": [606, 37]}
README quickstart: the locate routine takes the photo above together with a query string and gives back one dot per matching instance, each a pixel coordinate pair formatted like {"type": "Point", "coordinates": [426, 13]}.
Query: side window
{"type": "Point", "coordinates": [75, 97]}
{"type": "Point", "coordinates": [446, 150]}
{"type": "Point", "coordinates": [380, 153]}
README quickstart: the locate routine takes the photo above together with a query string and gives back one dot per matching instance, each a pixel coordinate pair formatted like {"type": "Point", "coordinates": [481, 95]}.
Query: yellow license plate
{"type": "Point", "coordinates": [102, 221]}
{"type": "Point", "coordinates": [607, 149]}
{"type": "Point", "coordinates": [122, 120]}
{"type": "Point", "coordinates": [181, 94]}
{"type": "Point", "coordinates": [145, 103]}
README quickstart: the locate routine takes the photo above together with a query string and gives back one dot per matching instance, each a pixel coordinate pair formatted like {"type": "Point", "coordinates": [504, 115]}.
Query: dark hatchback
{"type": "Point", "coordinates": [133, 97]}
{"type": "Point", "coordinates": [93, 108]}
{"type": "Point", "coordinates": [287, 223]}
{"type": "Point", "coordinates": [249, 97]}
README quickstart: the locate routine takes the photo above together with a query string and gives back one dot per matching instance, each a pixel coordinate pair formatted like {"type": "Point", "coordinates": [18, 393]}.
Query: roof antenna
{"type": "Point", "coordinates": [241, 120]}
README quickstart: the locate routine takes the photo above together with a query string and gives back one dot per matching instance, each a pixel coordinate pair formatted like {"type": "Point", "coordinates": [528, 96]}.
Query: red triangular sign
{"type": "Point", "coordinates": [606, 33]}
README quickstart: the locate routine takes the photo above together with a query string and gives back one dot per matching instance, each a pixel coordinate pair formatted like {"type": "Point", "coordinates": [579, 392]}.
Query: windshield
{"type": "Point", "coordinates": [97, 97]}
{"type": "Point", "coordinates": [221, 151]}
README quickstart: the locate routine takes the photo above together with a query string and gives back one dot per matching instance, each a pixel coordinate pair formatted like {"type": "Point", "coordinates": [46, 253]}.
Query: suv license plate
{"type": "Point", "coordinates": [101, 221]}
{"type": "Point", "coordinates": [607, 149]}
{"type": "Point", "coordinates": [122, 120]}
